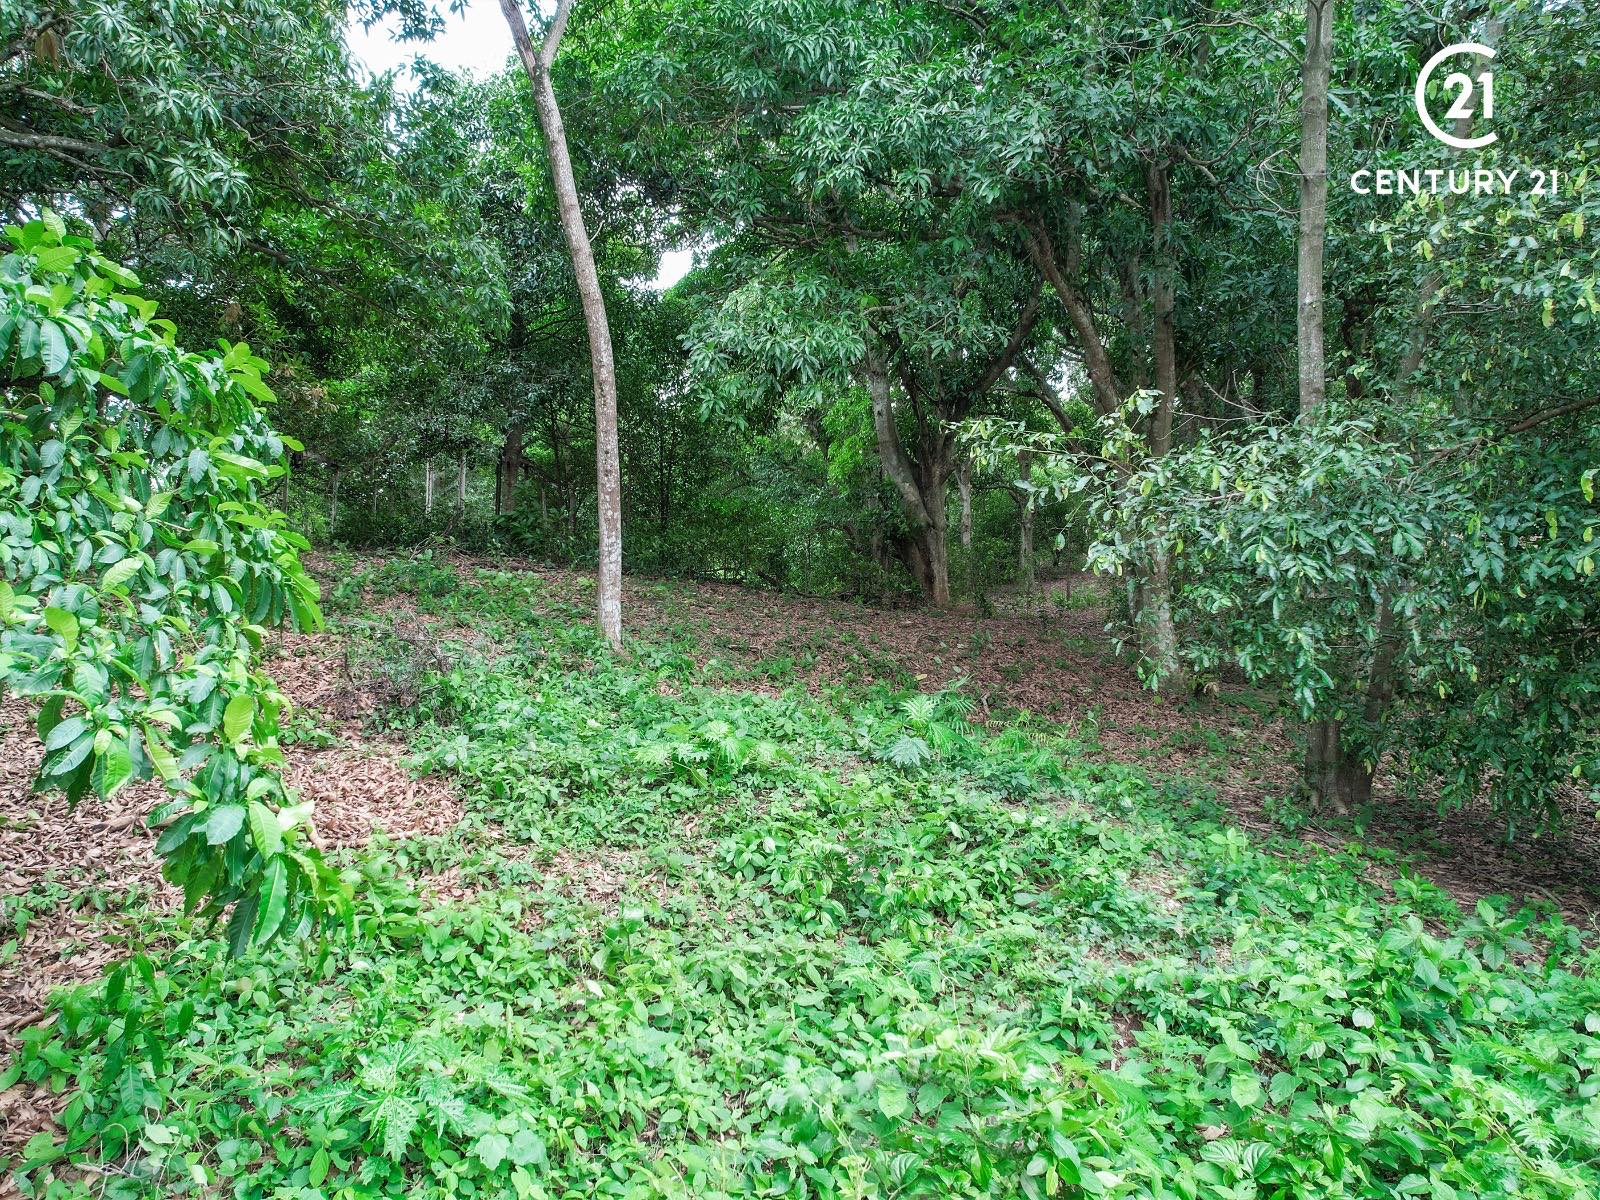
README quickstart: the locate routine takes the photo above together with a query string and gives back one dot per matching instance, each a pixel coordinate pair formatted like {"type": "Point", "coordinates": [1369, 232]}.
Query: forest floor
{"type": "Point", "coordinates": [80, 889]}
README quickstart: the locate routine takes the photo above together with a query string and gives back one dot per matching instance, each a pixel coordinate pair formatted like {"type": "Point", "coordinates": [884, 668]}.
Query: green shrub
{"type": "Point", "coordinates": [139, 563]}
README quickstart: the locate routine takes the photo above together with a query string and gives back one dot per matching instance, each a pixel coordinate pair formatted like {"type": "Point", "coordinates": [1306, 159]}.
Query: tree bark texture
{"type": "Point", "coordinates": [1314, 81]}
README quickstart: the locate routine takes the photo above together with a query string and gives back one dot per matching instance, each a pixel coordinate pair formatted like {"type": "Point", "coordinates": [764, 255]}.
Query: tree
{"type": "Point", "coordinates": [537, 61]}
{"type": "Point", "coordinates": [1327, 771]}
{"type": "Point", "coordinates": [1413, 567]}
{"type": "Point", "coordinates": [197, 136]}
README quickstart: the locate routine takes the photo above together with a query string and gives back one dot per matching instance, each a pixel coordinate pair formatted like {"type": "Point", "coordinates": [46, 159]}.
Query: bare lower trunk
{"type": "Point", "coordinates": [1337, 774]}
{"type": "Point", "coordinates": [1337, 778]}
{"type": "Point", "coordinates": [1025, 571]}
{"type": "Point", "coordinates": [608, 468]}
{"type": "Point", "coordinates": [333, 504]}
{"type": "Point", "coordinates": [1158, 633]}
{"type": "Point", "coordinates": [508, 472]}
{"type": "Point", "coordinates": [1157, 630]}
{"type": "Point", "coordinates": [936, 543]}
{"type": "Point", "coordinates": [964, 487]}
{"type": "Point", "coordinates": [427, 488]}
{"type": "Point", "coordinates": [461, 485]}
{"type": "Point", "coordinates": [921, 487]}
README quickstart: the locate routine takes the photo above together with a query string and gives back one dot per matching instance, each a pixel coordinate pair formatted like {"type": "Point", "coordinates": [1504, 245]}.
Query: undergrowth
{"type": "Point", "coordinates": [727, 944]}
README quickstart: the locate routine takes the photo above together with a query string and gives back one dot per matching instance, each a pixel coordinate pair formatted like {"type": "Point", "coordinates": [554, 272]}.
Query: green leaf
{"type": "Point", "coordinates": [1246, 1090]}
{"type": "Point", "coordinates": [274, 899]}
{"type": "Point", "coordinates": [223, 823]}
{"type": "Point", "coordinates": [64, 624]}
{"type": "Point", "coordinates": [492, 1149]}
{"type": "Point", "coordinates": [892, 1099]}
{"type": "Point", "coordinates": [527, 1148]}
{"type": "Point", "coordinates": [114, 768]}
{"type": "Point", "coordinates": [319, 1168]}
{"type": "Point", "coordinates": [54, 259]}
{"type": "Point", "coordinates": [238, 717]}
{"type": "Point", "coordinates": [120, 572]}
{"type": "Point", "coordinates": [264, 829]}
{"type": "Point", "coordinates": [53, 348]}
{"type": "Point", "coordinates": [67, 731]}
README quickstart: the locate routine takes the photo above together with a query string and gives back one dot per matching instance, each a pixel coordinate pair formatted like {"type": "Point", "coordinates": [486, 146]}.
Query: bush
{"type": "Point", "coordinates": [139, 563]}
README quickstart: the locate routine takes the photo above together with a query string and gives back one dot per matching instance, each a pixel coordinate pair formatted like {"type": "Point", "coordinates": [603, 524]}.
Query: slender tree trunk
{"type": "Point", "coordinates": [1158, 631]}
{"type": "Point", "coordinates": [1336, 778]}
{"type": "Point", "coordinates": [964, 487]}
{"type": "Point", "coordinates": [427, 488]}
{"type": "Point", "coordinates": [608, 469]}
{"type": "Point", "coordinates": [333, 504]}
{"type": "Point", "coordinates": [461, 485]}
{"type": "Point", "coordinates": [1335, 774]}
{"type": "Point", "coordinates": [1025, 570]}
{"type": "Point", "coordinates": [1332, 774]}
{"type": "Point", "coordinates": [921, 488]}
{"type": "Point", "coordinates": [936, 544]}
{"type": "Point", "coordinates": [1314, 82]}
{"type": "Point", "coordinates": [508, 471]}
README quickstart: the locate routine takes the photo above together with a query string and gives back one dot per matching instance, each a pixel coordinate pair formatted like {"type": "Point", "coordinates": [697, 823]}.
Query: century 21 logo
{"type": "Point", "coordinates": [1465, 106]}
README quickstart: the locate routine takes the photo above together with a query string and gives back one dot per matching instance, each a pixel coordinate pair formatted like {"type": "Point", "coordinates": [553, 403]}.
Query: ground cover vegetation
{"type": "Point", "coordinates": [1104, 700]}
{"type": "Point", "coordinates": [894, 955]}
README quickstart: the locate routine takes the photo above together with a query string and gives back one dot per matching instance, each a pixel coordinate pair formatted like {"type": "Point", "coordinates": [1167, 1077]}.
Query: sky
{"type": "Point", "coordinates": [475, 40]}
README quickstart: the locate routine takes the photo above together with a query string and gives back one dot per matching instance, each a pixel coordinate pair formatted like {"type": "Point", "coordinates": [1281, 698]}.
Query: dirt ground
{"type": "Point", "coordinates": [74, 870]}
{"type": "Point", "coordinates": [1048, 654]}
{"type": "Point", "coordinates": [67, 873]}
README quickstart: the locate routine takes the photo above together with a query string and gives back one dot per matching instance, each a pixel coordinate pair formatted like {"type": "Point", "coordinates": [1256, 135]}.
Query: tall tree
{"type": "Point", "coordinates": [537, 61]}
{"type": "Point", "coordinates": [1329, 772]}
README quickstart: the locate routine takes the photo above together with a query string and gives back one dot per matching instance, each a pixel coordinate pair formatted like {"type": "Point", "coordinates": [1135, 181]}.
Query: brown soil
{"type": "Point", "coordinates": [75, 869]}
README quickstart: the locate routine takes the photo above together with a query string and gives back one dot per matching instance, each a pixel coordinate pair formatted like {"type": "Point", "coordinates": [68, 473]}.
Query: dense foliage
{"type": "Point", "coordinates": [970, 281]}
{"type": "Point", "coordinates": [138, 566]}
{"type": "Point", "coordinates": [854, 949]}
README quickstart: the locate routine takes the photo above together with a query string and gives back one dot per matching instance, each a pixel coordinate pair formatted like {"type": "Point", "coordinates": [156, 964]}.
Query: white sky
{"type": "Point", "coordinates": [474, 41]}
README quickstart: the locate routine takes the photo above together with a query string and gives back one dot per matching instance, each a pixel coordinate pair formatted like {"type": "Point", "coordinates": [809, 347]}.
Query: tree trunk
{"type": "Point", "coordinates": [1335, 777]}
{"type": "Point", "coordinates": [1025, 571]}
{"type": "Point", "coordinates": [936, 548]}
{"type": "Point", "coordinates": [922, 489]}
{"type": "Point", "coordinates": [964, 486]}
{"type": "Point", "coordinates": [1314, 80]}
{"type": "Point", "coordinates": [427, 488]}
{"type": "Point", "coordinates": [461, 485]}
{"type": "Point", "coordinates": [508, 471]}
{"type": "Point", "coordinates": [1334, 774]}
{"type": "Point", "coordinates": [333, 505]}
{"type": "Point", "coordinates": [608, 468]}
{"type": "Point", "coordinates": [1158, 632]}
